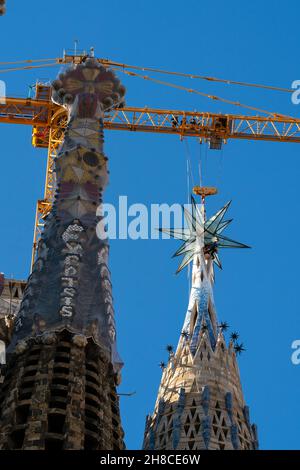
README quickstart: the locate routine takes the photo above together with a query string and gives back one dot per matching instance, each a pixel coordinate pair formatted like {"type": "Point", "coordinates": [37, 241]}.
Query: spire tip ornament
{"type": "Point", "coordinates": [201, 236]}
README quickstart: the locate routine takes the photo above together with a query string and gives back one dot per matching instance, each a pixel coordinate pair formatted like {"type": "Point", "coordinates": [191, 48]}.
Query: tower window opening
{"type": "Point", "coordinates": [193, 319]}
{"type": "Point", "coordinates": [33, 362]}
{"type": "Point", "coordinates": [91, 368]}
{"type": "Point", "coordinates": [57, 404]}
{"type": "Point", "coordinates": [22, 413]}
{"type": "Point", "coordinates": [91, 390]}
{"type": "Point", "coordinates": [35, 351]}
{"type": "Point", "coordinates": [63, 349]}
{"type": "Point", "coordinates": [1, 401]}
{"type": "Point", "coordinates": [27, 384]}
{"type": "Point", "coordinates": [53, 444]}
{"type": "Point", "coordinates": [61, 370]}
{"type": "Point", "coordinates": [5, 386]}
{"type": "Point", "coordinates": [91, 402]}
{"type": "Point", "coordinates": [58, 392]}
{"type": "Point", "coordinates": [30, 373]}
{"type": "Point", "coordinates": [215, 429]}
{"type": "Point", "coordinates": [115, 422]}
{"type": "Point", "coordinates": [24, 395]}
{"type": "Point", "coordinates": [90, 443]}
{"type": "Point", "coordinates": [60, 381]}
{"type": "Point", "coordinates": [113, 397]}
{"type": "Point", "coordinates": [114, 409]}
{"type": "Point", "coordinates": [191, 444]}
{"type": "Point", "coordinates": [63, 359]}
{"type": "Point", "coordinates": [56, 423]}
{"type": "Point", "coordinates": [91, 427]}
{"type": "Point", "coordinates": [26, 389]}
{"type": "Point", "coordinates": [91, 414]}
{"type": "Point", "coordinates": [17, 439]}
{"type": "Point", "coordinates": [66, 336]}
{"type": "Point", "coordinates": [90, 378]}
{"type": "Point", "coordinates": [12, 365]}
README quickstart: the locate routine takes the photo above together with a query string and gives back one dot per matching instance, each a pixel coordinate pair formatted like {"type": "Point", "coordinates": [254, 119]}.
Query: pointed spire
{"type": "Point", "coordinates": [213, 401]}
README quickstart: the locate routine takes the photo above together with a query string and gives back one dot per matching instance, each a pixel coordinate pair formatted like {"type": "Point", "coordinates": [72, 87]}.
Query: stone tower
{"type": "Point", "coordinates": [200, 403]}
{"type": "Point", "coordinates": [2, 7]}
{"type": "Point", "coordinates": [59, 389]}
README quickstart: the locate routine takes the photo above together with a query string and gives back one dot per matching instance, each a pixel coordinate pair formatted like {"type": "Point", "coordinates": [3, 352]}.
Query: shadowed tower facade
{"type": "Point", "coordinates": [59, 389]}
{"type": "Point", "coordinates": [2, 7]}
{"type": "Point", "coordinates": [200, 402]}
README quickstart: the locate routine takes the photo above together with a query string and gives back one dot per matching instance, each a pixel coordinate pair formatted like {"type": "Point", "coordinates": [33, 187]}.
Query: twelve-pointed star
{"type": "Point", "coordinates": [209, 231]}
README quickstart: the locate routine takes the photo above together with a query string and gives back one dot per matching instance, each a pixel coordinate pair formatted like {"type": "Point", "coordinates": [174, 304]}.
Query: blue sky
{"type": "Point", "coordinates": [258, 290]}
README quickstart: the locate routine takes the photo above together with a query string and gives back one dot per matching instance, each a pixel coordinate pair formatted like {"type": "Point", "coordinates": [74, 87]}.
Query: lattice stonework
{"type": "Point", "coordinates": [59, 390]}
{"type": "Point", "coordinates": [209, 417]}
{"type": "Point", "coordinates": [66, 398]}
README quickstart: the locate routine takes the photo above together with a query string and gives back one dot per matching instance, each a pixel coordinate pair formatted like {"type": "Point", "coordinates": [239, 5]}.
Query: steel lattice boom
{"type": "Point", "coordinates": [45, 114]}
{"type": "Point", "coordinates": [49, 121]}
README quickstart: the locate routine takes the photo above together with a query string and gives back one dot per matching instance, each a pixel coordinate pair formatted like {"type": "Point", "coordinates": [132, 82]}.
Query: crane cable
{"type": "Point", "coordinates": [121, 67]}
{"type": "Point", "coordinates": [197, 92]}
{"type": "Point", "coordinates": [27, 67]}
{"type": "Point", "coordinates": [28, 61]}
{"type": "Point", "coordinates": [193, 76]}
{"type": "Point", "coordinates": [107, 62]}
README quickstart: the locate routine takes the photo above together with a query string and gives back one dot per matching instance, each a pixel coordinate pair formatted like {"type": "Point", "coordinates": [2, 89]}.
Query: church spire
{"type": "Point", "coordinates": [59, 390]}
{"type": "Point", "coordinates": [200, 403]}
{"type": "Point", "coordinates": [202, 240]}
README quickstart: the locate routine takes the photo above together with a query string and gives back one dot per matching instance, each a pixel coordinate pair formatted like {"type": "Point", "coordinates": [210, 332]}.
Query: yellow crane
{"type": "Point", "coordinates": [48, 121]}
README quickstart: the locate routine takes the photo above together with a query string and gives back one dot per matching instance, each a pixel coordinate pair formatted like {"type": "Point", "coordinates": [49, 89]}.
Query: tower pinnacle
{"type": "Point", "coordinates": [59, 391]}
{"type": "Point", "coordinates": [200, 402]}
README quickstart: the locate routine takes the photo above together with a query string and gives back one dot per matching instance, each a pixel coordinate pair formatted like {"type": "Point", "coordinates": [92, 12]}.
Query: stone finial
{"type": "Point", "coordinates": [21, 347]}
{"type": "Point", "coordinates": [79, 340]}
{"type": "Point", "coordinates": [49, 338]}
{"type": "Point", "coordinates": [205, 398]}
{"type": "Point", "coordinates": [90, 88]}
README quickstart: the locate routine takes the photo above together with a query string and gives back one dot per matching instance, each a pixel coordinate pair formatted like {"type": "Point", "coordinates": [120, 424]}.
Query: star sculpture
{"type": "Point", "coordinates": [202, 234]}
